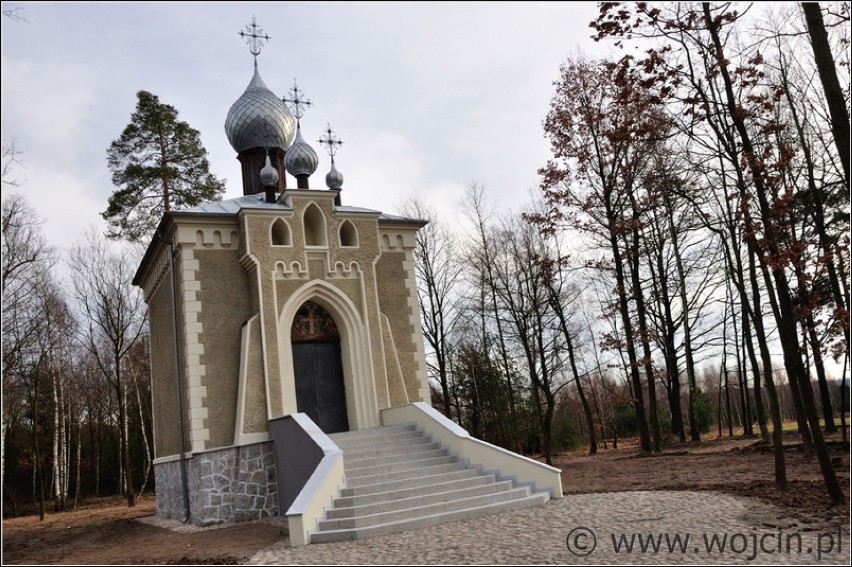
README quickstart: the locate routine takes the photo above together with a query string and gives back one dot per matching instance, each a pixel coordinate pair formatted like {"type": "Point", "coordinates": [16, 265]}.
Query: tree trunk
{"type": "Point", "coordinates": [777, 435]}
{"type": "Point", "coordinates": [660, 290]}
{"type": "Point", "coordinates": [587, 411]}
{"type": "Point", "coordinates": [830, 84]}
{"type": "Point", "coordinates": [742, 381]}
{"type": "Point", "coordinates": [39, 465]}
{"type": "Point", "coordinates": [77, 485]}
{"type": "Point", "coordinates": [789, 340]}
{"type": "Point", "coordinates": [638, 403]}
{"type": "Point", "coordinates": [144, 433]}
{"type": "Point", "coordinates": [825, 397]}
{"type": "Point", "coordinates": [795, 392]}
{"type": "Point", "coordinates": [695, 435]}
{"type": "Point", "coordinates": [728, 404]}
{"type": "Point", "coordinates": [719, 404]}
{"type": "Point", "coordinates": [844, 396]}
{"type": "Point", "coordinates": [124, 445]}
{"type": "Point", "coordinates": [598, 410]}
{"type": "Point", "coordinates": [58, 481]}
{"type": "Point", "coordinates": [764, 352]}
{"type": "Point", "coordinates": [740, 345]}
{"type": "Point", "coordinates": [639, 299]}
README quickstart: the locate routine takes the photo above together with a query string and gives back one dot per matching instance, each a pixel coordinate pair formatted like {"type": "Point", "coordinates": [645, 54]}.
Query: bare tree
{"type": "Point", "coordinates": [720, 84]}
{"type": "Point", "coordinates": [438, 266]}
{"type": "Point", "coordinates": [11, 161]}
{"type": "Point", "coordinates": [114, 316]}
{"type": "Point", "coordinates": [480, 258]}
{"type": "Point", "coordinates": [26, 261]}
{"type": "Point", "coordinates": [525, 304]}
{"type": "Point", "coordinates": [15, 14]}
{"type": "Point", "coordinates": [603, 135]}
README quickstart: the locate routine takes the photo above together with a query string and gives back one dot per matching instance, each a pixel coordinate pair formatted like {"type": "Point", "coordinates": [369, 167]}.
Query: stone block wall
{"type": "Point", "coordinates": [236, 484]}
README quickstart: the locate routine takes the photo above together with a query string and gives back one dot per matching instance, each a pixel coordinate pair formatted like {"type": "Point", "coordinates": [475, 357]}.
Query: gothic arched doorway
{"type": "Point", "coordinates": [318, 368]}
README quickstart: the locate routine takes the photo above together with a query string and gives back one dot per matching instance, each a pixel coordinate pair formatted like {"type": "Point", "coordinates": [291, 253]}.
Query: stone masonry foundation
{"type": "Point", "coordinates": [236, 484]}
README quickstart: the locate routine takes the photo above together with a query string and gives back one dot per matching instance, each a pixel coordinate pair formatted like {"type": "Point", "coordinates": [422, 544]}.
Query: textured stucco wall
{"type": "Point", "coordinates": [161, 321]}
{"type": "Point", "coordinates": [224, 296]}
{"type": "Point", "coordinates": [254, 417]}
{"type": "Point", "coordinates": [281, 270]}
{"type": "Point", "coordinates": [395, 303]}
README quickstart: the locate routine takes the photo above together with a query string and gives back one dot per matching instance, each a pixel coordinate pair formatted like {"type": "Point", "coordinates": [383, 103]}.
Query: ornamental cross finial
{"type": "Point", "coordinates": [331, 141]}
{"type": "Point", "coordinates": [255, 37]}
{"type": "Point", "coordinates": [296, 101]}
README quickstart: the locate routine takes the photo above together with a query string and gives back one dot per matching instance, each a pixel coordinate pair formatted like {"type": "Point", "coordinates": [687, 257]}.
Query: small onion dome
{"type": "Point", "coordinates": [334, 179]}
{"type": "Point", "coordinates": [268, 175]}
{"type": "Point", "coordinates": [301, 159]}
{"type": "Point", "coordinates": [259, 119]}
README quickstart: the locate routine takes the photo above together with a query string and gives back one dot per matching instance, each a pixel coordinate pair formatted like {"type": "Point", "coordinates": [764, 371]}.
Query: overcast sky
{"type": "Point", "coordinates": [427, 97]}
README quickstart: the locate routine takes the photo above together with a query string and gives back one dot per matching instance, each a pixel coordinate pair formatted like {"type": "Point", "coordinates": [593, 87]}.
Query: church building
{"type": "Point", "coordinates": [280, 320]}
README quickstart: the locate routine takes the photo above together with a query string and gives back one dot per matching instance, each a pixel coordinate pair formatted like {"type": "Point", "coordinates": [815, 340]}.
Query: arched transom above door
{"type": "Point", "coordinates": [313, 323]}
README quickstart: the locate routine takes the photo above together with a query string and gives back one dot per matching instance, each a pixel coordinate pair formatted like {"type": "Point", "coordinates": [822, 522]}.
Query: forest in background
{"type": "Point", "coordinates": [683, 271]}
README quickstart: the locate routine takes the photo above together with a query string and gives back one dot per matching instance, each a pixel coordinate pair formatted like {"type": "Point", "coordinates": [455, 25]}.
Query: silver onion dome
{"type": "Point", "coordinates": [334, 179]}
{"type": "Point", "coordinates": [268, 175]}
{"type": "Point", "coordinates": [259, 119]}
{"type": "Point", "coordinates": [301, 159]}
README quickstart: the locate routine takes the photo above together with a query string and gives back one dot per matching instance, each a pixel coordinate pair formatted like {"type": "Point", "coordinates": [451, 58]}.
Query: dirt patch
{"type": "Point", "coordinates": [733, 465]}
{"type": "Point", "coordinates": [110, 533]}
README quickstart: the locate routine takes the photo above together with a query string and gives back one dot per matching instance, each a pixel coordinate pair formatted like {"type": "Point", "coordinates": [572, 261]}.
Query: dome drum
{"type": "Point", "coordinates": [252, 161]}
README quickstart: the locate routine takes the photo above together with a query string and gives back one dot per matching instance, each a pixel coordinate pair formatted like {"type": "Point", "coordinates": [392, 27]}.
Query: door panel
{"type": "Point", "coordinates": [320, 391]}
{"type": "Point", "coordinates": [303, 367]}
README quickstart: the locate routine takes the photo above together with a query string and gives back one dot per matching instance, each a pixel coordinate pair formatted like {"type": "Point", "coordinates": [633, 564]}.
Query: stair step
{"type": "Point", "coordinates": [409, 491]}
{"type": "Point", "coordinates": [403, 466]}
{"type": "Point", "coordinates": [382, 449]}
{"type": "Point", "coordinates": [395, 504]}
{"type": "Point", "coordinates": [374, 433]}
{"type": "Point", "coordinates": [384, 443]}
{"type": "Point", "coordinates": [415, 472]}
{"type": "Point", "coordinates": [429, 520]}
{"type": "Point", "coordinates": [363, 521]}
{"type": "Point", "coordinates": [431, 450]}
{"type": "Point", "coordinates": [406, 482]}
{"type": "Point", "coordinates": [379, 429]}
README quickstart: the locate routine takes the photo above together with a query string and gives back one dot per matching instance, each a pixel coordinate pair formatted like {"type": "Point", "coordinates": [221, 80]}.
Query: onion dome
{"type": "Point", "coordinates": [334, 179]}
{"type": "Point", "coordinates": [259, 119]}
{"type": "Point", "coordinates": [268, 175]}
{"type": "Point", "coordinates": [301, 159]}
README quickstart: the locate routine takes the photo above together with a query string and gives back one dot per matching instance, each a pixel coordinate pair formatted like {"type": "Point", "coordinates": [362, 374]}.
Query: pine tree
{"type": "Point", "coordinates": [157, 164]}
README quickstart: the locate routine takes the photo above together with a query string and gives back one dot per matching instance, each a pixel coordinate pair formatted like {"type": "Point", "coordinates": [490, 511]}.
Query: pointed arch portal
{"type": "Point", "coordinates": [356, 358]}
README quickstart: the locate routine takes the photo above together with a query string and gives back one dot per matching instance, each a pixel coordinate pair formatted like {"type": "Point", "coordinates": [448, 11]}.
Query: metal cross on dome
{"type": "Point", "coordinates": [255, 37]}
{"type": "Point", "coordinates": [331, 141]}
{"type": "Point", "coordinates": [296, 101]}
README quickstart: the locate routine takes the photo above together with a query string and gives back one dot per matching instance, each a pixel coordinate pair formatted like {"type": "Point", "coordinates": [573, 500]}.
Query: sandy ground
{"type": "Point", "coordinates": [110, 533]}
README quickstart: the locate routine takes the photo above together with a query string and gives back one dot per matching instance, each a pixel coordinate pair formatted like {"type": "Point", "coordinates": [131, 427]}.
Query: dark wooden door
{"type": "Point", "coordinates": [320, 391]}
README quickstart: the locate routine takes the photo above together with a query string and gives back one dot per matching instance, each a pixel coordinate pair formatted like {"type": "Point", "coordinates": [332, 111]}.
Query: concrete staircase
{"type": "Point", "coordinates": [398, 479]}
